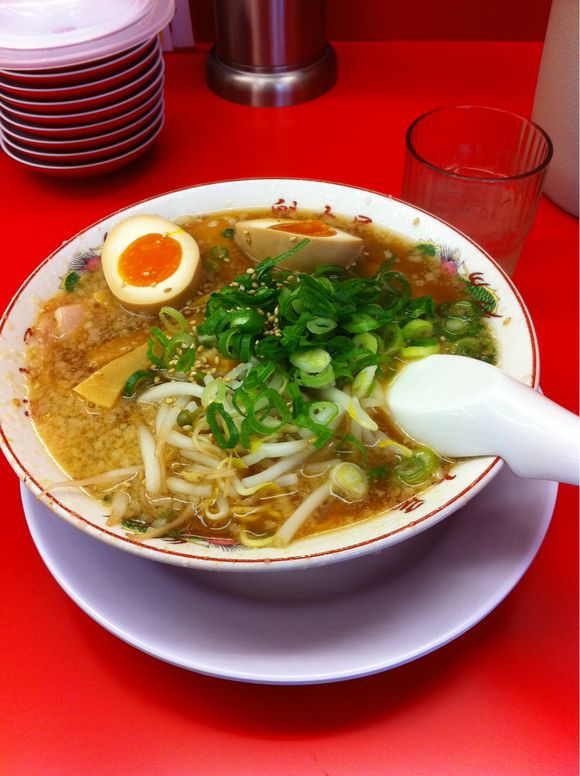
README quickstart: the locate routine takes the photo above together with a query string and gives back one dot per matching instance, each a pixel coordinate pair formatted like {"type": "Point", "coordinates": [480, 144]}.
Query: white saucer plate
{"type": "Point", "coordinates": [432, 588]}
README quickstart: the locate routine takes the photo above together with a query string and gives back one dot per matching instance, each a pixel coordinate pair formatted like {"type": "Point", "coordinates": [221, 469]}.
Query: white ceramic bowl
{"type": "Point", "coordinates": [26, 453]}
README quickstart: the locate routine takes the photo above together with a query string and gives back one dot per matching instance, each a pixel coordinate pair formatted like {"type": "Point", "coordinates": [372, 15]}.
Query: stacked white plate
{"type": "Point", "coordinates": [102, 106]}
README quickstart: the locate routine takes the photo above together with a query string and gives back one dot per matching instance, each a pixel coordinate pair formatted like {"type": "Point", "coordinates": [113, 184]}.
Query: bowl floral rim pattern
{"type": "Point", "coordinates": [234, 562]}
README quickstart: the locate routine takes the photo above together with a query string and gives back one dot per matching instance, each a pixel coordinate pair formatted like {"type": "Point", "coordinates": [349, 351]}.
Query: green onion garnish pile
{"type": "Point", "coordinates": [299, 340]}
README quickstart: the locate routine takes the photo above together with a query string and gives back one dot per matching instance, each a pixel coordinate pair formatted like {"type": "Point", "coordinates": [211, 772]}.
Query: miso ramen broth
{"type": "Point", "coordinates": [280, 430]}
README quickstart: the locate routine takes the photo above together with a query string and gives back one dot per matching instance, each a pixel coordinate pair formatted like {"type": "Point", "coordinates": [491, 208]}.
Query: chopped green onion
{"type": "Point", "coordinates": [348, 482]}
{"type": "Point", "coordinates": [228, 233]}
{"type": "Point", "coordinates": [456, 327]}
{"type": "Point", "coordinates": [322, 434]}
{"type": "Point", "coordinates": [463, 309]}
{"type": "Point", "coordinates": [172, 320]}
{"type": "Point", "coordinates": [157, 343]}
{"type": "Point", "coordinates": [417, 329]}
{"type": "Point", "coordinates": [362, 382]}
{"type": "Point", "coordinates": [324, 379]}
{"type": "Point", "coordinates": [322, 411]}
{"type": "Point", "coordinates": [241, 399]}
{"type": "Point", "coordinates": [259, 375]}
{"type": "Point", "coordinates": [137, 381]}
{"type": "Point", "coordinates": [361, 322]}
{"type": "Point", "coordinates": [215, 391]}
{"type": "Point", "coordinates": [245, 347]}
{"type": "Point", "coordinates": [418, 469]}
{"type": "Point", "coordinates": [247, 321]}
{"type": "Point", "coordinates": [321, 325]}
{"type": "Point", "coordinates": [421, 348]}
{"type": "Point", "coordinates": [355, 444]}
{"type": "Point", "coordinates": [393, 339]}
{"type": "Point", "coordinates": [311, 361]}
{"type": "Point", "coordinates": [252, 540]}
{"type": "Point", "coordinates": [468, 346]}
{"type": "Point", "coordinates": [267, 264]}
{"type": "Point", "coordinates": [261, 409]}
{"type": "Point", "coordinates": [298, 401]}
{"type": "Point", "coordinates": [229, 343]}
{"type": "Point", "coordinates": [207, 340]}
{"type": "Point", "coordinates": [367, 341]}
{"type": "Point", "coordinates": [228, 442]}
{"type": "Point", "coordinates": [176, 347]}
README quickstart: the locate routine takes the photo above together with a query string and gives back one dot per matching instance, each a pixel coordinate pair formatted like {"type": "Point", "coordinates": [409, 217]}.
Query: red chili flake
{"type": "Point", "coordinates": [449, 476]}
{"type": "Point", "coordinates": [23, 370]}
{"type": "Point", "coordinates": [362, 220]}
{"type": "Point", "coordinates": [328, 211]}
{"type": "Point", "coordinates": [25, 401]}
{"type": "Point", "coordinates": [27, 334]}
{"type": "Point", "coordinates": [27, 413]}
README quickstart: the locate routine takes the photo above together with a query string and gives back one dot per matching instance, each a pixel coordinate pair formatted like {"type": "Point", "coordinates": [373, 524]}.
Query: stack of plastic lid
{"type": "Point", "coordinates": [81, 82]}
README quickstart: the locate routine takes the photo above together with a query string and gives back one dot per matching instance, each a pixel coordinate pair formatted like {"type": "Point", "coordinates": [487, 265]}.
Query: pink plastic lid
{"type": "Point", "coordinates": [54, 33]}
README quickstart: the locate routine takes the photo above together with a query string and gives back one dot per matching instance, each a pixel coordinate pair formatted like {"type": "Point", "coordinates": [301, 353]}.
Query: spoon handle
{"type": "Point", "coordinates": [544, 438]}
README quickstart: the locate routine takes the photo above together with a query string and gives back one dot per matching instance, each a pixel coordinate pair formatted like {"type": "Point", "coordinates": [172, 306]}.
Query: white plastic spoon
{"type": "Point", "coordinates": [462, 407]}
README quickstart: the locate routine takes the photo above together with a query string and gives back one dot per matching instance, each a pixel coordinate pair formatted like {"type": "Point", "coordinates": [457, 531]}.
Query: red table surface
{"type": "Point", "coordinates": [502, 699]}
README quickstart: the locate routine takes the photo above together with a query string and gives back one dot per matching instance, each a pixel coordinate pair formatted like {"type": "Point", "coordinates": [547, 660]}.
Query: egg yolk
{"type": "Point", "coordinates": [310, 228]}
{"type": "Point", "coordinates": [149, 260]}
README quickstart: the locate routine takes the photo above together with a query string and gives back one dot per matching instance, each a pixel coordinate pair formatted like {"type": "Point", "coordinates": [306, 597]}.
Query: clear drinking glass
{"type": "Point", "coordinates": [480, 169]}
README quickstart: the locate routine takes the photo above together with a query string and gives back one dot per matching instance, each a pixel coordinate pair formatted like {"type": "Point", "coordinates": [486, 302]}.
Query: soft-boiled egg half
{"type": "Point", "coordinates": [263, 237]}
{"type": "Point", "coordinates": [149, 262]}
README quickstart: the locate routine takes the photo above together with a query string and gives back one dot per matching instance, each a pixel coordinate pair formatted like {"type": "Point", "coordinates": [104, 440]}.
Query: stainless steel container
{"type": "Point", "coordinates": [270, 53]}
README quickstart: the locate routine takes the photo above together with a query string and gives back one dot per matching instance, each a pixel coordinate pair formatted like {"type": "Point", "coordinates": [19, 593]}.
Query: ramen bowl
{"type": "Point", "coordinates": [508, 319]}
